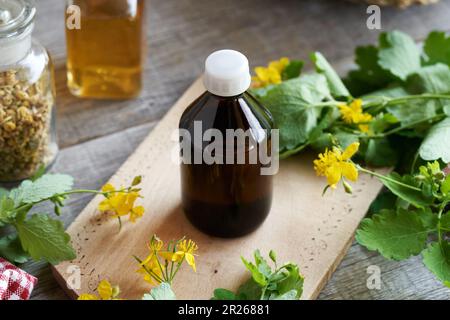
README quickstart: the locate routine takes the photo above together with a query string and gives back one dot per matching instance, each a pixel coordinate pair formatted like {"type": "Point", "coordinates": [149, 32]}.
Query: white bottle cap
{"type": "Point", "coordinates": [16, 24]}
{"type": "Point", "coordinates": [227, 73]}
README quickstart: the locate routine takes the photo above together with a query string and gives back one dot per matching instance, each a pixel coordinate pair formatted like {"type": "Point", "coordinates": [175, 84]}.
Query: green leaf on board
{"type": "Point", "coordinates": [257, 275]}
{"type": "Point", "coordinates": [224, 294]}
{"type": "Point", "coordinates": [250, 290]}
{"type": "Point", "coordinates": [292, 281]}
{"type": "Point", "coordinates": [283, 283]}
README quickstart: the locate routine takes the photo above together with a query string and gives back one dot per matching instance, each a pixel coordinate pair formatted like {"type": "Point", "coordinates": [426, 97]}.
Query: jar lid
{"type": "Point", "coordinates": [16, 16]}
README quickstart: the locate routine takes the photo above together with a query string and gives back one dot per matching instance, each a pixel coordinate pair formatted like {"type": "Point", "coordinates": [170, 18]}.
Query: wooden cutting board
{"type": "Point", "coordinates": [303, 227]}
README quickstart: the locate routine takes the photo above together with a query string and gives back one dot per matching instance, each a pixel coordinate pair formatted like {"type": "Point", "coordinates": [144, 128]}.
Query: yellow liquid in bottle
{"type": "Point", "coordinates": [105, 56]}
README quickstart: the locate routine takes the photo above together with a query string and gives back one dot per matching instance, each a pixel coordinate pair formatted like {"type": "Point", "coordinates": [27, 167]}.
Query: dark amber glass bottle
{"type": "Point", "coordinates": [227, 198]}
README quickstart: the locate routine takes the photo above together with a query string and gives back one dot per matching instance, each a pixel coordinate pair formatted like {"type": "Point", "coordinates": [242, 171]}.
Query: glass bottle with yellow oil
{"type": "Point", "coordinates": [105, 48]}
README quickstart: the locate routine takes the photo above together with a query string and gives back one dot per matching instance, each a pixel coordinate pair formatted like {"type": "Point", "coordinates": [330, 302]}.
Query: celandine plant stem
{"type": "Point", "coordinates": [385, 178]}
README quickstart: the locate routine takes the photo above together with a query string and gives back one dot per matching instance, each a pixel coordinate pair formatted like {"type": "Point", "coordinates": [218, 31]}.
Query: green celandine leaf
{"type": "Point", "coordinates": [224, 294]}
{"type": "Point", "coordinates": [293, 70]}
{"type": "Point", "coordinates": [437, 48]}
{"type": "Point", "coordinates": [43, 188]}
{"type": "Point", "coordinates": [283, 283]}
{"type": "Point", "coordinates": [429, 218]}
{"type": "Point", "coordinates": [395, 235]}
{"type": "Point", "coordinates": [369, 76]}
{"type": "Point", "coordinates": [385, 200]}
{"type": "Point", "coordinates": [6, 210]}
{"type": "Point", "coordinates": [430, 79]}
{"type": "Point", "coordinates": [381, 122]}
{"type": "Point", "coordinates": [162, 292]}
{"type": "Point", "coordinates": [414, 197]}
{"type": "Point", "coordinates": [290, 295]}
{"type": "Point", "coordinates": [11, 249]}
{"type": "Point", "coordinates": [435, 146]}
{"type": "Point", "coordinates": [45, 238]}
{"type": "Point", "coordinates": [337, 87]}
{"type": "Point", "coordinates": [445, 187]}
{"type": "Point", "coordinates": [290, 104]}
{"type": "Point", "coordinates": [414, 111]}
{"type": "Point", "coordinates": [292, 282]}
{"type": "Point", "coordinates": [344, 139]}
{"type": "Point", "coordinates": [250, 290]}
{"type": "Point", "coordinates": [445, 221]}
{"type": "Point", "coordinates": [3, 193]}
{"type": "Point", "coordinates": [257, 275]}
{"type": "Point", "coordinates": [399, 54]}
{"type": "Point", "coordinates": [447, 110]}
{"type": "Point", "coordinates": [390, 92]}
{"type": "Point", "coordinates": [319, 139]}
{"type": "Point", "coordinates": [262, 265]}
{"type": "Point", "coordinates": [437, 259]}
{"type": "Point", "coordinates": [380, 153]}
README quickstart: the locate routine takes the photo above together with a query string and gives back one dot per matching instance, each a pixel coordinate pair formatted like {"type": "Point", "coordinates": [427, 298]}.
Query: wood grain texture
{"type": "Point", "coordinates": [181, 33]}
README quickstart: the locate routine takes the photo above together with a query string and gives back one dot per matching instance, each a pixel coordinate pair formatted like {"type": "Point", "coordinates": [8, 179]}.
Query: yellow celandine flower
{"type": "Point", "coordinates": [353, 114]}
{"type": "Point", "coordinates": [105, 290]}
{"type": "Point", "coordinates": [121, 203]}
{"type": "Point", "coordinates": [336, 165]}
{"type": "Point", "coordinates": [185, 250]}
{"type": "Point", "coordinates": [151, 268]}
{"type": "Point", "coordinates": [151, 264]}
{"type": "Point", "coordinates": [272, 74]}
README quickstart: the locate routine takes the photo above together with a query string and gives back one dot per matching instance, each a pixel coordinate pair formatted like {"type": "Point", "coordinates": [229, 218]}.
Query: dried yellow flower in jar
{"type": "Point", "coordinates": [25, 126]}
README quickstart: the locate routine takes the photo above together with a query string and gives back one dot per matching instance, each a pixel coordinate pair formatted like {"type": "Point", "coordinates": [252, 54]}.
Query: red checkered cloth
{"type": "Point", "coordinates": [15, 284]}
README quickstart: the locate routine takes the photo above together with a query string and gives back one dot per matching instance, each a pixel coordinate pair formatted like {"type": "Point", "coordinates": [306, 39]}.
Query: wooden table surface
{"type": "Point", "coordinates": [96, 137]}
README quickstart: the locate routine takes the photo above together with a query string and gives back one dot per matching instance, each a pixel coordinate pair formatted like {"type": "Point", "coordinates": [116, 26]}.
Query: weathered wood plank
{"type": "Point", "coordinates": [182, 33]}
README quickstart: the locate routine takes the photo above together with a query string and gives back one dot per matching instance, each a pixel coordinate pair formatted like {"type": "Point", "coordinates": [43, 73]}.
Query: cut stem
{"type": "Point", "coordinates": [385, 178]}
